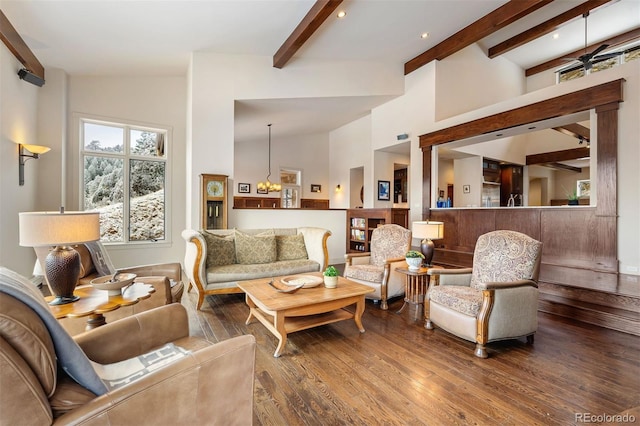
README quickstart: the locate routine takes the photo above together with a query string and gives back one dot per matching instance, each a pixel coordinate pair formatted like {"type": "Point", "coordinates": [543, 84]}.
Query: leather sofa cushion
{"type": "Point", "coordinates": [465, 300]}
{"type": "Point", "coordinates": [237, 272]}
{"type": "Point", "coordinates": [291, 247]}
{"type": "Point", "coordinates": [255, 249]}
{"type": "Point", "coordinates": [23, 329]}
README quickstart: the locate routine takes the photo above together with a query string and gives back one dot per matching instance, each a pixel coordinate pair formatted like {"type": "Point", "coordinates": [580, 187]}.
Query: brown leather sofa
{"type": "Point", "coordinates": [213, 384]}
{"type": "Point", "coordinates": [166, 278]}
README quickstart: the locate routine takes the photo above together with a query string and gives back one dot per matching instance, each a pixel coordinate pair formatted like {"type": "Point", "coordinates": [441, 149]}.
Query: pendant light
{"type": "Point", "coordinates": [268, 185]}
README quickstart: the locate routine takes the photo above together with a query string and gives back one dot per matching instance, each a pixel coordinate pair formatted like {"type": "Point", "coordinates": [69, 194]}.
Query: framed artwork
{"type": "Point", "coordinates": [316, 188]}
{"type": "Point", "coordinates": [262, 191]}
{"type": "Point", "coordinates": [583, 188]}
{"type": "Point", "coordinates": [384, 193]}
{"type": "Point", "coordinates": [244, 188]}
{"type": "Point", "coordinates": [466, 189]}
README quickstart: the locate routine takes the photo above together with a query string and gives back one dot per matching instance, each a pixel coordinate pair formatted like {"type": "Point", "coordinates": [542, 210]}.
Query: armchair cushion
{"type": "Point", "coordinates": [371, 273]}
{"type": "Point", "coordinates": [504, 256]}
{"type": "Point", "coordinates": [465, 300]}
{"type": "Point", "coordinates": [389, 242]}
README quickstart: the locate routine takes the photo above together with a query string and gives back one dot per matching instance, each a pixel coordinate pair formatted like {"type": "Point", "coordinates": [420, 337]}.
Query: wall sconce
{"type": "Point", "coordinates": [35, 150]}
{"type": "Point", "coordinates": [338, 188]}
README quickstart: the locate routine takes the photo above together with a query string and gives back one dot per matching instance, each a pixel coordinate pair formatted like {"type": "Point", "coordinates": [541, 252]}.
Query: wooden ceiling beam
{"type": "Point", "coordinates": [544, 28]}
{"type": "Point", "coordinates": [19, 48]}
{"type": "Point", "coordinates": [318, 13]}
{"type": "Point", "coordinates": [575, 130]}
{"type": "Point", "coordinates": [618, 40]}
{"type": "Point", "coordinates": [557, 156]}
{"type": "Point", "coordinates": [488, 24]}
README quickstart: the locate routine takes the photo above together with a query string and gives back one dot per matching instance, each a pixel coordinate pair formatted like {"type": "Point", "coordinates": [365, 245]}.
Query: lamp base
{"type": "Point", "coordinates": [62, 267]}
{"type": "Point", "coordinates": [426, 247]}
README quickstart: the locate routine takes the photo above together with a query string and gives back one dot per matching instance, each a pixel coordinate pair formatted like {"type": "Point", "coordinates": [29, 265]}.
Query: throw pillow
{"type": "Point", "coordinates": [255, 249]}
{"type": "Point", "coordinates": [291, 247]}
{"type": "Point", "coordinates": [86, 263]}
{"type": "Point", "coordinates": [221, 250]}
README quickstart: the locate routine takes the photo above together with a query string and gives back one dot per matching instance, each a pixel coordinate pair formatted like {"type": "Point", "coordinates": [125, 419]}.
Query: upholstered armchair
{"type": "Point", "coordinates": [389, 244]}
{"type": "Point", "coordinates": [143, 369]}
{"type": "Point", "coordinates": [496, 299]}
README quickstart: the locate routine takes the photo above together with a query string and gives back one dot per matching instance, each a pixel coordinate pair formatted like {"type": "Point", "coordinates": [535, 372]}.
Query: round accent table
{"type": "Point", "coordinates": [416, 287]}
{"type": "Point", "coordinates": [93, 303]}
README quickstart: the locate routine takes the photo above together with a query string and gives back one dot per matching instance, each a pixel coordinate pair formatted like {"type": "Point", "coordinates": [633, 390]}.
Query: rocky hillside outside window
{"type": "Point", "coordinates": [124, 174]}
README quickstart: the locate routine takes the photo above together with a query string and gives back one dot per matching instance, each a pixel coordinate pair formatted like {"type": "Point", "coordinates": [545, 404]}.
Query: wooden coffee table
{"type": "Point", "coordinates": [284, 313]}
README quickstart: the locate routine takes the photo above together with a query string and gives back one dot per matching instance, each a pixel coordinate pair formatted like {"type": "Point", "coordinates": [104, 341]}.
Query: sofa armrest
{"type": "Point", "coordinates": [508, 284]}
{"type": "Point", "coordinates": [213, 385]}
{"type": "Point", "coordinates": [173, 270]}
{"type": "Point", "coordinates": [135, 335]}
{"type": "Point", "coordinates": [195, 259]}
{"type": "Point", "coordinates": [315, 241]}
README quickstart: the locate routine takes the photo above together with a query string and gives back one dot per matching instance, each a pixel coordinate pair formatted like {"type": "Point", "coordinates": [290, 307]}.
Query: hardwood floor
{"type": "Point", "coordinates": [398, 373]}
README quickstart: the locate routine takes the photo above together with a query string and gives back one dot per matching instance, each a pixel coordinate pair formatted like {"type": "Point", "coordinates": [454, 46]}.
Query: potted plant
{"type": "Point", "coordinates": [572, 196]}
{"type": "Point", "coordinates": [330, 277]}
{"type": "Point", "coordinates": [414, 259]}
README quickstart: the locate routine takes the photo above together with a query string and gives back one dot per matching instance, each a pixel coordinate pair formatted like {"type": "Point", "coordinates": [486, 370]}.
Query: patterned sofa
{"type": "Point", "coordinates": [216, 260]}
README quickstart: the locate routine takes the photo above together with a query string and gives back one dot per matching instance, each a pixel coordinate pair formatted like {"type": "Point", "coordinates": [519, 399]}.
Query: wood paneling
{"type": "Point", "coordinates": [526, 221]}
{"type": "Point", "coordinates": [607, 170]}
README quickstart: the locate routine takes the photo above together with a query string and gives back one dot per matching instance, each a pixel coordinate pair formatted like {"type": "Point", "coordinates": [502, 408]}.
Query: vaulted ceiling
{"type": "Point", "coordinates": [128, 37]}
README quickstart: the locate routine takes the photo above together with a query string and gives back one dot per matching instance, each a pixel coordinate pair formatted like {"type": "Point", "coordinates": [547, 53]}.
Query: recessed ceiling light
{"type": "Point", "coordinates": [342, 14]}
{"type": "Point", "coordinates": [555, 36]}
{"type": "Point", "coordinates": [424, 35]}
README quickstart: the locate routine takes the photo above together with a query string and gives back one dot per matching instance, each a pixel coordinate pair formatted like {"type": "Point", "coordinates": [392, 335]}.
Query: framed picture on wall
{"type": "Point", "coordinates": [262, 191]}
{"type": "Point", "coordinates": [466, 189]}
{"type": "Point", "coordinates": [244, 188]}
{"type": "Point", "coordinates": [384, 193]}
{"type": "Point", "coordinates": [583, 188]}
{"type": "Point", "coordinates": [316, 188]}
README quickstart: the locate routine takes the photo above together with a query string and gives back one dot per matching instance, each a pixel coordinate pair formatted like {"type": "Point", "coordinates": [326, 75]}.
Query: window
{"type": "Point", "coordinates": [629, 54]}
{"type": "Point", "coordinates": [291, 180]}
{"type": "Point", "coordinates": [124, 173]}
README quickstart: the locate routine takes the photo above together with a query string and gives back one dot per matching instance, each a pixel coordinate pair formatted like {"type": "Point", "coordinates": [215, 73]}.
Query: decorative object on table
{"type": "Point", "coordinates": [244, 188]}
{"type": "Point", "coordinates": [428, 231]}
{"type": "Point", "coordinates": [384, 190]}
{"type": "Point", "coordinates": [572, 196]}
{"type": "Point", "coordinates": [267, 185]}
{"type": "Point", "coordinates": [330, 277]}
{"type": "Point", "coordinates": [114, 284]}
{"type": "Point", "coordinates": [62, 230]}
{"type": "Point", "coordinates": [307, 281]}
{"type": "Point", "coordinates": [316, 188]}
{"type": "Point", "coordinates": [284, 288]}
{"type": "Point", "coordinates": [414, 259]}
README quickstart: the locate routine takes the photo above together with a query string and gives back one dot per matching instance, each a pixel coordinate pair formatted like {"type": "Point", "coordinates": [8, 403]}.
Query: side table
{"type": "Point", "coordinates": [416, 287]}
{"type": "Point", "coordinates": [93, 303]}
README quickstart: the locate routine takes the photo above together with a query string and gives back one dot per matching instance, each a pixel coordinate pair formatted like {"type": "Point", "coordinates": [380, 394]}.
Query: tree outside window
{"type": "Point", "coordinates": [124, 178]}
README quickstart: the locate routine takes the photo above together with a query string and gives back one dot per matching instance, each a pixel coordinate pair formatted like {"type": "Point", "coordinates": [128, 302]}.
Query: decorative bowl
{"type": "Point", "coordinates": [284, 288]}
{"type": "Point", "coordinates": [114, 288]}
{"type": "Point", "coordinates": [414, 263]}
{"type": "Point", "coordinates": [307, 281]}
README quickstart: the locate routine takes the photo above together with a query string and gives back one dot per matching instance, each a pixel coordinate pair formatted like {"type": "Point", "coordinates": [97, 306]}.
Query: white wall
{"type": "Point", "coordinates": [467, 171]}
{"type": "Point", "coordinates": [18, 124]}
{"type": "Point", "coordinates": [152, 101]}
{"type": "Point", "coordinates": [309, 153]}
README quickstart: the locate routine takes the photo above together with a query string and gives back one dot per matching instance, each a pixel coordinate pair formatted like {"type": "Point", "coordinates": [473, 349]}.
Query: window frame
{"type": "Point", "coordinates": [127, 125]}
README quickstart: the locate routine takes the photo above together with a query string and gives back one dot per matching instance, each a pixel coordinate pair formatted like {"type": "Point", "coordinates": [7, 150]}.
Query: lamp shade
{"type": "Point", "coordinates": [428, 230]}
{"type": "Point", "coordinates": [39, 229]}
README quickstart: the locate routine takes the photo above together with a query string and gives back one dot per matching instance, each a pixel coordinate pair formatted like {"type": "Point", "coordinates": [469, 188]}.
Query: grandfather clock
{"type": "Point", "coordinates": [214, 201]}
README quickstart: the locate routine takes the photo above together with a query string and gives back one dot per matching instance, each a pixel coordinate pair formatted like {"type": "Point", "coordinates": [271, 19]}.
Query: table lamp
{"type": "Point", "coordinates": [61, 230]}
{"type": "Point", "coordinates": [427, 231]}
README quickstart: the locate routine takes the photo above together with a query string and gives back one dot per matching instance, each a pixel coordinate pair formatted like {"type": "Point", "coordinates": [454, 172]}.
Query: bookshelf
{"type": "Point", "coordinates": [362, 222]}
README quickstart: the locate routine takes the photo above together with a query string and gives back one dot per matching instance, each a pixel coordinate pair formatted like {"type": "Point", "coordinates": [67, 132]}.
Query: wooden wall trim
{"type": "Point", "coordinates": [570, 103]}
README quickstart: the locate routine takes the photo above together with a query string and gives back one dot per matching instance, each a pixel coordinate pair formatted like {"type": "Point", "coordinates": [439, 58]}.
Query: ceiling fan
{"type": "Point", "coordinates": [588, 59]}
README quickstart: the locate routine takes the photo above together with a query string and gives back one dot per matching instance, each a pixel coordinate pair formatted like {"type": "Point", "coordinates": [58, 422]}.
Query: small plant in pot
{"type": "Point", "coordinates": [330, 277]}
{"type": "Point", "coordinates": [414, 259]}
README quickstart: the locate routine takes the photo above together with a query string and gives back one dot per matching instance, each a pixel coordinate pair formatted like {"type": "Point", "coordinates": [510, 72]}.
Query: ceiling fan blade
{"type": "Point", "coordinates": [598, 50]}
{"type": "Point", "coordinates": [606, 56]}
